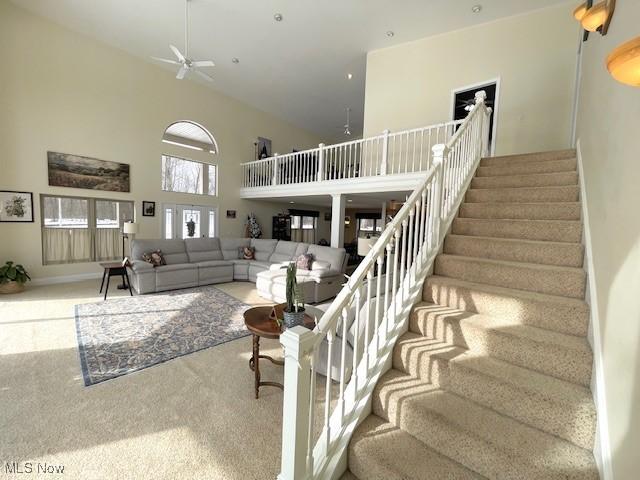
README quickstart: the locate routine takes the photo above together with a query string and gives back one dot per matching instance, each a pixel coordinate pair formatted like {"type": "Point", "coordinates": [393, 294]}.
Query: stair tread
{"type": "Point", "coordinates": [552, 154]}
{"type": "Point", "coordinates": [463, 418]}
{"type": "Point", "coordinates": [535, 189]}
{"type": "Point", "coordinates": [521, 168]}
{"type": "Point", "coordinates": [541, 297]}
{"type": "Point", "coordinates": [555, 230]}
{"type": "Point", "coordinates": [524, 241]}
{"type": "Point", "coordinates": [507, 327]}
{"type": "Point", "coordinates": [509, 263]}
{"type": "Point", "coordinates": [536, 175]}
{"type": "Point", "coordinates": [525, 379]}
{"type": "Point", "coordinates": [397, 454]}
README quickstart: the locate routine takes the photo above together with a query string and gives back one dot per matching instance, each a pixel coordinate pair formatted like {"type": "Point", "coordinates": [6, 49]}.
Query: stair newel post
{"type": "Point", "coordinates": [275, 169]}
{"type": "Point", "coordinates": [297, 343]}
{"type": "Point", "coordinates": [321, 162]}
{"type": "Point", "coordinates": [439, 153]}
{"type": "Point", "coordinates": [384, 159]}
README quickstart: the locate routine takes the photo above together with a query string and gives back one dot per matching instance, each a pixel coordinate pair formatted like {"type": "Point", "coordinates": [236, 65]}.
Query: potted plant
{"type": "Point", "coordinates": [12, 278]}
{"type": "Point", "coordinates": [294, 310]}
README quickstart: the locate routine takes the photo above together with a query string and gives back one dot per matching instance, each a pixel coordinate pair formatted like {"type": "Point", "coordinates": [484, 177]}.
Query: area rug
{"type": "Point", "coordinates": [127, 334]}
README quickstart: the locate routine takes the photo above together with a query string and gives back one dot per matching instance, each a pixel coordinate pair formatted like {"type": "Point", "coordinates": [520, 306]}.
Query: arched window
{"type": "Point", "coordinates": [188, 134]}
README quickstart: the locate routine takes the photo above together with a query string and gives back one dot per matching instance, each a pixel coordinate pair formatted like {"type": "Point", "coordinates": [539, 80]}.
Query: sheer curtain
{"type": "Point", "coordinates": [305, 236]}
{"type": "Point", "coordinates": [62, 245]}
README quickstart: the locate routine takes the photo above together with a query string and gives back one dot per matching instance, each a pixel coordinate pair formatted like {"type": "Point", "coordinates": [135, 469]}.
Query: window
{"type": "Point", "coordinates": [187, 176]}
{"type": "Point", "coordinates": [189, 221]}
{"type": "Point", "coordinates": [191, 135]}
{"type": "Point", "coordinates": [303, 225]}
{"type": "Point", "coordinates": [369, 224]}
{"type": "Point", "coordinates": [76, 229]}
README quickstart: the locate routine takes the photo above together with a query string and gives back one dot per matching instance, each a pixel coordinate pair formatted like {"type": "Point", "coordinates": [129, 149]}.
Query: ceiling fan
{"type": "Point", "coordinates": [187, 64]}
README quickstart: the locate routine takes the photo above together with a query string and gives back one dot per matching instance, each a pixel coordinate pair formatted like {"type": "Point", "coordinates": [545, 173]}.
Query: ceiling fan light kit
{"type": "Point", "coordinates": [624, 63]}
{"type": "Point", "coordinates": [187, 64]}
{"type": "Point", "coordinates": [595, 18]}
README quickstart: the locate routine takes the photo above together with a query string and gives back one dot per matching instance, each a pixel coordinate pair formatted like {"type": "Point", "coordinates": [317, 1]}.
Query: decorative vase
{"type": "Point", "coordinates": [291, 319]}
{"type": "Point", "coordinates": [11, 287]}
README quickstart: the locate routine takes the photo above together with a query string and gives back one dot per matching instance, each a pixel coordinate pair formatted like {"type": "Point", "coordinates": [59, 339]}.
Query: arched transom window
{"type": "Point", "coordinates": [188, 134]}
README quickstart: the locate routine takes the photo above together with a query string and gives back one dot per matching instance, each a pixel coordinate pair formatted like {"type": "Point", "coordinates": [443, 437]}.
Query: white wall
{"type": "Point", "coordinates": [534, 55]}
{"type": "Point", "coordinates": [65, 92]}
{"type": "Point", "coordinates": [608, 131]}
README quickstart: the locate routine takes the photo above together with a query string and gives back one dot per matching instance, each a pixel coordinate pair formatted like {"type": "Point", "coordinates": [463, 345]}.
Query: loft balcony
{"type": "Point", "coordinates": [384, 163]}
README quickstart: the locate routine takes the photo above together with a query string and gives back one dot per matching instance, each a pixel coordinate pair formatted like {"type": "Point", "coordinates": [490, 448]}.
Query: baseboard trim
{"type": "Point", "coordinates": [602, 448]}
{"type": "Point", "coordinates": [66, 279]}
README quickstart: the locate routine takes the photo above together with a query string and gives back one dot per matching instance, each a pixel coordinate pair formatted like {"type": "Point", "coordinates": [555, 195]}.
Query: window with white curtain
{"type": "Point", "coordinates": [77, 229]}
{"type": "Point", "coordinates": [182, 175]}
{"type": "Point", "coordinates": [304, 227]}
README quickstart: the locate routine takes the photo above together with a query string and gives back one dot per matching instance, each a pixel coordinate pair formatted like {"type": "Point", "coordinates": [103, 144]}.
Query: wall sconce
{"type": "Point", "coordinates": [597, 17]}
{"type": "Point", "coordinates": [624, 63]}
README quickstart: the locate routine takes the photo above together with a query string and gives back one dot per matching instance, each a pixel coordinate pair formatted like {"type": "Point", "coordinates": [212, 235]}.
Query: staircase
{"type": "Point", "coordinates": [492, 378]}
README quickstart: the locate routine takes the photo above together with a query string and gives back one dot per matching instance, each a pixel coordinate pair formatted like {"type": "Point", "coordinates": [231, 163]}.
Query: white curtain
{"type": "Point", "coordinates": [305, 236]}
{"type": "Point", "coordinates": [62, 245]}
{"type": "Point", "coordinates": [108, 244]}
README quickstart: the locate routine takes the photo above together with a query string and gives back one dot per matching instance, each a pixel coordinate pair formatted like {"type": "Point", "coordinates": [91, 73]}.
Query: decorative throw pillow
{"type": "Point", "coordinates": [154, 258]}
{"type": "Point", "coordinates": [304, 261]}
{"type": "Point", "coordinates": [247, 253]}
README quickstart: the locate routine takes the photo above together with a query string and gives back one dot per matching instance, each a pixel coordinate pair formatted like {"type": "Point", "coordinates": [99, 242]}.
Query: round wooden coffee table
{"type": "Point", "coordinates": [259, 323]}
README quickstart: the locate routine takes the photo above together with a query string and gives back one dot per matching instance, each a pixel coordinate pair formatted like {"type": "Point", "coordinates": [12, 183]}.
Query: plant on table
{"type": "Point", "coordinates": [294, 311]}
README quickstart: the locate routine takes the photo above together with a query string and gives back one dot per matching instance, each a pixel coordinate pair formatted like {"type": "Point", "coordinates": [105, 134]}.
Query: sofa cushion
{"type": "Point", "coordinates": [215, 263]}
{"type": "Point", "coordinates": [263, 248]}
{"type": "Point", "coordinates": [203, 249]}
{"type": "Point", "coordinates": [176, 267]}
{"type": "Point", "coordinates": [285, 251]}
{"type": "Point", "coordinates": [230, 247]}
{"type": "Point", "coordinates": [335, 256]}
{"type": "Point", "coordinates": [174, 251]}
{"type": "Point", "coordinates": [320, 265]}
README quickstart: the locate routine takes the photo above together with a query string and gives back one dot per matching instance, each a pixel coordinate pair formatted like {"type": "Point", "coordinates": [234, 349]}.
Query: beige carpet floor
{"type": "Point", "coordinates": [194, 417]}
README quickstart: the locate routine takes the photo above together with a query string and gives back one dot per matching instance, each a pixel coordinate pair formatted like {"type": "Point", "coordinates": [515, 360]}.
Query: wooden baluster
{"type": "Point", "coordinates": [379, 261]}
{"type": "Point", "coordinates": [356, 339]}
{"type": "Point", "coordinates": [312, 410]}
{"type": "Point", "coordinates": [367, 326]}
{"type": "Point", "coordinates": [343, 362]}
{"type": "Point", "coordinates": [410, 238]}
{"type": "Point", "coordinates": [387, 285]}
{"type": "Point", "coordinates": [327, 397]}
{"type": "Point", "coordinates": [403, 258]}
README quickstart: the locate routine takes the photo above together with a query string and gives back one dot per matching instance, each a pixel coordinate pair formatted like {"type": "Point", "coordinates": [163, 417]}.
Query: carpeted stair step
{"type": "Point", "coordinates": [479, 438]}
{"type": "Point", "coordinates": [517, 250]}
{"type": "Point", "coordinates": [528, 158]}
{"type": "Point", "coordinates": [555, 406]}
{"type": "Point", "coordinates": [549, 279]}
{"type": "Point", "coordinates": [348, 476]}
{"type": "Point", "coordinates": [559, 355]}
{"type": "Point", "coordinates": [550, 166]}
{"type": "Point", "coordinates": [531, 180]}
{"type": "Point", "coordinates": [560, 314]}
{"type": "Point", "coordinates": [381, 451]}
{"type": "Point", "coordinates": [551, 230]}
{"type": "Point", "coordinates": [566, 193]}
{"type": "Point", "coordinates": [424, 358]}
{"type": "Point", "coordinates": [522, 211]}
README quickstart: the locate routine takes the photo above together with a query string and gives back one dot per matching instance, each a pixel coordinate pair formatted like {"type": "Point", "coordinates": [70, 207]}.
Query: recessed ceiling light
{"type": "Point", "coordinates": [349, 200]}
{"type": "Point", "coordinates": [235, 60]}
{"type": "Point", "coordinates": [292, 202]}
{"type": "Point", "coordinates": [390, 34]}
{"type": "Point", "coordinates": [277, 17]}
{"type": "Point", "coordinates": [349, 76]}
{"type": "Point", "coordinates": [476, 8]}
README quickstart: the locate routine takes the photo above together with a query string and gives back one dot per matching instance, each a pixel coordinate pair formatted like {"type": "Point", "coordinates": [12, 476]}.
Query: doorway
{"type": "Point", "coordinates": [189, 221]}
{"type": "Point", "coordinates": [463, 100]}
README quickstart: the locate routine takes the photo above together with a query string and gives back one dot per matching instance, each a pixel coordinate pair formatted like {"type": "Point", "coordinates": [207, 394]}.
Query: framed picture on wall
{"type": "Point", "coordinates": [148, 209]}
{"type": "Point", "coordinates": [263, 148]}
{"type": "Point", "coordinates": [231, 214]}
{"type": "Point", "coordinates": [16, 207]}
{"type": "Point", "coordinates": [76, 171]}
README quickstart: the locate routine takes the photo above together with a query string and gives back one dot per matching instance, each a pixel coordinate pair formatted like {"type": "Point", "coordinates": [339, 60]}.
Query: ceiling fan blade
{"type": "Point", "coordinates": [204, 75]}
{"type": "Point", "coordinates": [203, 63]}
{"type": "Point", "coordinates": [181, 73]}
{"type": "Point", "coordinates": [166, 60]}
{"type": "Point", "coordinates": [177, 53]}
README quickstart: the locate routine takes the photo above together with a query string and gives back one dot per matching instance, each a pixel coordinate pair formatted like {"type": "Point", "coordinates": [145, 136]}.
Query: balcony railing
{"type": "Point", "coordinates": [385, 154]}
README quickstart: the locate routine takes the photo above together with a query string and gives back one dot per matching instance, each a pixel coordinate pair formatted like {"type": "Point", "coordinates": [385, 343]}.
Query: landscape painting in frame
{"type": "Point", "coordinates": [16, 206]}
{"type": "Point", "coordinates": [75, 171]}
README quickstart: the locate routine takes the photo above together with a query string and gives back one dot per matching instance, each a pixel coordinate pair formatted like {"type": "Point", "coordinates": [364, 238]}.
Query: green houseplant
{"type": "Point", "coordinates": [294, 310]}
{"type": "Point", "coordinates": [12, 278]}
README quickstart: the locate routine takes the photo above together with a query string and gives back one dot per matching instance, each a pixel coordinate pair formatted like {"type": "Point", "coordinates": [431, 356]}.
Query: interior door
{"type": "Point", "coordinates": [464, 99]}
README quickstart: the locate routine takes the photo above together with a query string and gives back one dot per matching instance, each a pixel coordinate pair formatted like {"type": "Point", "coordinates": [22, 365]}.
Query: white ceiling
{"type": "Point", "coordinates": [295, 69]}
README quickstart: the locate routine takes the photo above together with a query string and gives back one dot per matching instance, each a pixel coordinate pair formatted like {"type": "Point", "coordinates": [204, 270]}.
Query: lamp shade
{"type": "Point", "coordinates": [365, 244]}
{"type": "Point", "coordinates": [624, 63]}
{"type": "Point", "coordinates": [595, 17]}
{"type": "Point", "coordinates": [130, 228]}
{"type": "Point", "coordinates": [579, 12]}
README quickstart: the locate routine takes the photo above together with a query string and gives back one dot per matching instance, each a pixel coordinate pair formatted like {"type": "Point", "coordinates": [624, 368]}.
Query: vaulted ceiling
{"type": "Point", "coordinates": [295, 69]}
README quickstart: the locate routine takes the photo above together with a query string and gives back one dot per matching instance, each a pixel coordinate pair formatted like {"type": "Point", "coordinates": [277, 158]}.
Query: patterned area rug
{"type": "Point", "coordinates": [127, 334]}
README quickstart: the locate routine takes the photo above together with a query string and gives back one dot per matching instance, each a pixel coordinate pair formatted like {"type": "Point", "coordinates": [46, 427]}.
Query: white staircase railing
{"type": "Point", "coordinates": [353, 340]}
{"type": "Point", "coordinates": [386, 154]}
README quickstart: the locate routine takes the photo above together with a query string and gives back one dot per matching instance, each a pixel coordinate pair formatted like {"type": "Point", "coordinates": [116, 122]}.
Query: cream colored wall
{"type": "Point", "coordinates": [608, 128]}
{"type": "Point", "coordinates": [65, 92]}
{"type": "Point", "coordinates": [534, 56]}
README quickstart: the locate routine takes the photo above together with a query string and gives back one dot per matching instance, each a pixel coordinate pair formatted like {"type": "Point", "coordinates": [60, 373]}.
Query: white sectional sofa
{"type": "Point", "coordinates": [205, 261]}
